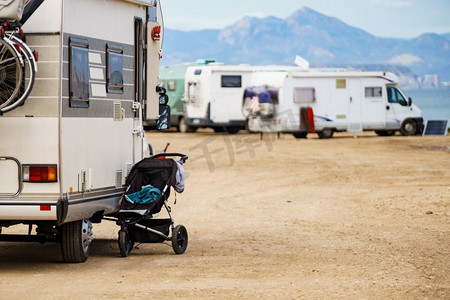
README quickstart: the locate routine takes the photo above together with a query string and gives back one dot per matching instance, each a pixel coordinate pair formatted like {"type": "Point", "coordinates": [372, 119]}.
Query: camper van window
{"type": "Point", "coordinates": [114, 68]}
{"type": "Point", "coordinates": [373, 92]}
{"type": "Point", "coordinates": [394, 96]}
{"type": "Point", "coordinates": [79, 73]}
{"type": "Point", "coordinates": [198, 72]}
{"type": "Point", "coordinates": [152, 11]}
{"type": "Point", "coordinates": [171, 85]}
{"type": "Point", "coordinates": [304, 95]}
{"type": "Point", "coordinates": [341, 84]}
{"type": "Point", "coordinates": [231, 81]}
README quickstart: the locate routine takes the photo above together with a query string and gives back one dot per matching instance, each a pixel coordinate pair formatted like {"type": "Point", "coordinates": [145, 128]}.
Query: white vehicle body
{"type": "Point", "coordinates": [88, 144]}
{"type": "Point", "coordinates": [213, 96]}
{"type": "Point", "coordinates": [340, 100]}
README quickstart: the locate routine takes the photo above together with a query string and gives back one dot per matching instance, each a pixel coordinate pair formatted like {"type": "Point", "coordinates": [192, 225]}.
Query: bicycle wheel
{"type": "Point", "coordinates": [11, 72]}
{"type": "Point", "coordinates": [28, 75]}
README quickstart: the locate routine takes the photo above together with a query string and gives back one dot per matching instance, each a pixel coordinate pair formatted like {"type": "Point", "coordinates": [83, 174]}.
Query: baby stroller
{"type": "Point", "coordinates": [148, 189]}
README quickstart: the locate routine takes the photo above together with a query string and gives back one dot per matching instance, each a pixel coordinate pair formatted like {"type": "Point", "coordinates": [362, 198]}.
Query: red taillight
{"type": "Point", "coordinates": [156, 33]}
{"type": "Point", "coordinates": [39, 173]}
{"type": "Point", "coordinates": [45, 208]}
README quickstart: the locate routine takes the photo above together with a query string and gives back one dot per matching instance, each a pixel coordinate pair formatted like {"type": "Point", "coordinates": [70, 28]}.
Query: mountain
{"type": "Point", "coordinates": [322, 40]}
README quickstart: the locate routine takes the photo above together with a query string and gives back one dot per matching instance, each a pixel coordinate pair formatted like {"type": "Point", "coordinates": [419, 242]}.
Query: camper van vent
{"type": "Point", "coordinates": [129, 166]}
{"type": "Point", "coordinates": [84, 180]}
{"type": "Point", "coordinates": [119, 112]}
{"type": "Point", "coordinates": [118, 179]}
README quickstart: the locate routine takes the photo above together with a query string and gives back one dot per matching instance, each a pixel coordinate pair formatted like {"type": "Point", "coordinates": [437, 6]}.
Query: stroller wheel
{"type": "Point", "coordinates": [125, 243]}
{"type": "Point", "coordinates": [179, 239]}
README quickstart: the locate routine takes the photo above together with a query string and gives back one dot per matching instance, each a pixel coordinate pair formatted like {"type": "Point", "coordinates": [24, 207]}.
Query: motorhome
{"type": "Point", "coordinates": [213, 96]}
{"type": "Point", "coordinates": [74, 89]}
{"type": "Point", "coordinates": [173, 80]}
{"type": "Point", "coordinates": [339, 100]}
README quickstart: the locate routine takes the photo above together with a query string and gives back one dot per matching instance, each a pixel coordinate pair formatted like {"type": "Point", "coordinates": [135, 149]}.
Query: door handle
{"type": "Point", "coordinates": [388, 107]}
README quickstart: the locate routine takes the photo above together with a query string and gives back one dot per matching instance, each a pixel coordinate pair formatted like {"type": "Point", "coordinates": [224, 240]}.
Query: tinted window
{"type": "Point", "coordinates": [231, 81]}
{"type": "Point", "coordinates": [79, 73]}
{"type": "Point", "coordinates": [114, 69]}
{"type": "Point", "coordinates": [394, 96]}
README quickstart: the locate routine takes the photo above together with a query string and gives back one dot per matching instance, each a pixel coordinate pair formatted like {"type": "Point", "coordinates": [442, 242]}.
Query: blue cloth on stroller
{"type": "Point", "coordinates": [147, 194]}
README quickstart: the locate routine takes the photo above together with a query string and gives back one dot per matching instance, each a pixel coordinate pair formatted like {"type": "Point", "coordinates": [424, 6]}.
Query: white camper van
{"type": "Point", "coordinates": [340, 100]}
{"type": "Point", "coordinates": [213, 96]}
{"type": "Point", "coordinates": [71, 117]}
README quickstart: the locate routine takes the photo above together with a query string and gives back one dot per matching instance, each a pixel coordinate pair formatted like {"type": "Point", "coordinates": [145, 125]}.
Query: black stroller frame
{"type": "Point", "coordinates": [136, 221]}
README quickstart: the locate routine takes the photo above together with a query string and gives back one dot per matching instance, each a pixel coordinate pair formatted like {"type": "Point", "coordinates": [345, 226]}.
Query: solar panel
{"type": "Point", "coordinates": [436, 127]}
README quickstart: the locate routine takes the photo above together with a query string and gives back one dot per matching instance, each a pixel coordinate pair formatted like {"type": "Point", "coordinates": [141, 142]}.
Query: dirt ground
{"type": "Point", "coordinates": [352, 217]}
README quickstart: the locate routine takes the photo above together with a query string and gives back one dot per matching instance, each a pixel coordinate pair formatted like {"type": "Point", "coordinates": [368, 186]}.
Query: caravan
{"type": "Point", "coordinates": [213, 95]}
{"type": "Point", "coordinates": [173, 80]}
{"type": "Point", "coordinates": [327, 101]}
{"type": "Point", "coordinates": [73, 95]}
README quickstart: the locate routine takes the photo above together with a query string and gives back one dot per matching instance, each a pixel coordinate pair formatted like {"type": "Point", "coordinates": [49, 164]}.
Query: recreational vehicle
{"type": "Point", "coordinates": [213, 96]}
{"type": "Point", "coordinates": [173, 79]}
{"type": "Point", "coordinates": [76, 81]}
{"type": "Point", "coordinates": [337, 100]}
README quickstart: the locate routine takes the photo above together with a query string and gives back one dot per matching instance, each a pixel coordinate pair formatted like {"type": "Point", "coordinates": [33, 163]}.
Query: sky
{"type": "Point", "coordinates": [382, 18]}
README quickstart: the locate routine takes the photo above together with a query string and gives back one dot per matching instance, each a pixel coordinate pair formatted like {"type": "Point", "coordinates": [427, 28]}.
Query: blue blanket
{"type": "Point", "coordinates": [147, 194]}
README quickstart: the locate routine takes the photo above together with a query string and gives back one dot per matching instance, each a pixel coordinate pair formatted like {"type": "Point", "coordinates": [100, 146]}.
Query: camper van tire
{"type": "Point", "coordinates": [233, 130]}
{"type": "Point", "coordinates": [325, 133]}
{"type": "Point", "coordinates": [300, 134]}
{"type": "Point", "coordinates": [76, 238]}
{"type": "Point", "coordinates": [409, 127]}
{"type": "Point", "coordinates": [385, 132]}
{"type": "Point", "coordinates": [184, 127]}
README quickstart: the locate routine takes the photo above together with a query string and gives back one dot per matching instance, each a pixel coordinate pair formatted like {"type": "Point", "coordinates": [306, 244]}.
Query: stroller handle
{"type": "Point", "coordinates": [183, 157]}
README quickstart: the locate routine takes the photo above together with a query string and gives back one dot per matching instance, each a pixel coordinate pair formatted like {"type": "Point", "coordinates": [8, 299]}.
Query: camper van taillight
{"type": "Point", "coordinates": [39, 173]}
{"type": "Point", "coordinates": [156, 33]}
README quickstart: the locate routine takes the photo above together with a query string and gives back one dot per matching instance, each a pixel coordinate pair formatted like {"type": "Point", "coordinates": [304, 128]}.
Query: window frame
{"type": "Point", "coordinates": [341, 83]}
{"type": "Point", "coordinates": [171, 85]}
{"type": "Point", "coordinates": [372, 92]}
{"type": "Point", "coordinates": [114, 51]}
{"type": "Point", "coordinates": [78, 97]}
{"type": "Point", "coordinates": [224, 78]}
{"type": "Point", "coordinates": [302, 101]}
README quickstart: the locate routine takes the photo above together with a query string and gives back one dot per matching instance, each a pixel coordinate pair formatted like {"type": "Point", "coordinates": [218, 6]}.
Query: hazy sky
{"type": "Point", "coordinates": [383, 18]}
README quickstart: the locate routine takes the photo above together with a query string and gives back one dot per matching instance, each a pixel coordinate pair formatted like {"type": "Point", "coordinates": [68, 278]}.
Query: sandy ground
{"type": "Point", "coordinates": [353, 217]}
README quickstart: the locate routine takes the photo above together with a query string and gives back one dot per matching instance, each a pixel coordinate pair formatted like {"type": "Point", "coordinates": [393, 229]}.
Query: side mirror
{"type": "Point", "coordinates": [409, 101]}
{"type": "Point", "coordinates": [163, 122]}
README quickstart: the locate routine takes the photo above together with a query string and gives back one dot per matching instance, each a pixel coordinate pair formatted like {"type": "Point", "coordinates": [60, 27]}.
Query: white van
{"type": "Point", "coordinates": [340, 100]}
{"type": "Point", "coordinates": [73, 128]}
